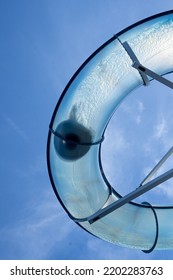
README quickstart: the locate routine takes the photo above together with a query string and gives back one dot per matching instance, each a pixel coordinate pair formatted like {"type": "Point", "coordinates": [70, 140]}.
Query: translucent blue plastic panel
{"type": "Point", "coordinates": [81, 115]}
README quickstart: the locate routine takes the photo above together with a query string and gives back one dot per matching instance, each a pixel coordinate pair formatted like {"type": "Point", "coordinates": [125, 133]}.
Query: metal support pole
{"type": "Point", "coordinates": [129, 197]}
{"type": "Point", "coordinates": [158, 165]}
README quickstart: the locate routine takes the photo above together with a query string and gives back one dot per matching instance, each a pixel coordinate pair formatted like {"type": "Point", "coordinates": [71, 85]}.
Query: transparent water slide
{"type": "Point", "coordinates": [77, 131]}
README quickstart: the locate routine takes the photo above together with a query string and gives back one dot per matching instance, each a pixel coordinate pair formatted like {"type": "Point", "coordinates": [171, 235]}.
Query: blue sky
{"type": "Point", "coordinates": [42, 45]}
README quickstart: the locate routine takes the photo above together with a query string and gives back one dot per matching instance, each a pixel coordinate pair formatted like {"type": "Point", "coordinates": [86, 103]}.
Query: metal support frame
{"type": "Point", "coordinates": [145, 185]}
{"type": "Point", "coordinates": [130, 196]}
{"type": "Point", "coordinates": [144, 71]}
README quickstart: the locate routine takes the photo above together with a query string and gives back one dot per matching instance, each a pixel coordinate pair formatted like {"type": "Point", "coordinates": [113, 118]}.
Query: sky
{"type": "Point", "coordinates": [42, 44]}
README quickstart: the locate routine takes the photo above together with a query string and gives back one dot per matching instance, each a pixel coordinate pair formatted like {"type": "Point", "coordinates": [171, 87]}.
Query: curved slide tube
{"type": "Point", "coordinates": [77, 131]}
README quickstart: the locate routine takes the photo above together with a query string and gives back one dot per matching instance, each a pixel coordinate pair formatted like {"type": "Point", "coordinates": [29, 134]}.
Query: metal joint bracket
{"type": "Point", "coordinates": [135, 60]}
{"type": "Point", "coordinates": [144, 72]}
{"type": "Point", "coordinates": [63, 138]}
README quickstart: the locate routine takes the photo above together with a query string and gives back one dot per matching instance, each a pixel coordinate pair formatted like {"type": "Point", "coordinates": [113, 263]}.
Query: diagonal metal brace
{"type": "Point", "coordinates": [157, 167]}
{"type": "Point", "coordinates": [129, 197]}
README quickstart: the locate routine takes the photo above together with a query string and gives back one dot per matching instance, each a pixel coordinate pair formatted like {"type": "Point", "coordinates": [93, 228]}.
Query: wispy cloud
{"type": "Point", "coordinates": [160, 128]}
{"type": "Point", "coordinates": [141, 106]}
{"type": "Point", "coordinates": [38, 166]}
{"type": "Point", "coordinates": [38, 233]}
{"type": "Point", "coordinates": [15, 127]}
